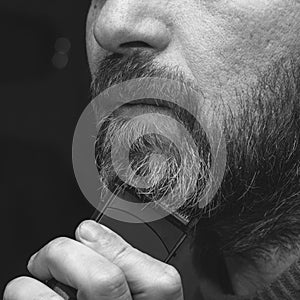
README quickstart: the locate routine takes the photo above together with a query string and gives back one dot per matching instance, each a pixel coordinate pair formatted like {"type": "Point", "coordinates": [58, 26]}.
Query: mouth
{"type": "Point", "coordinates": [154, 105]}
{"type": "Point", "coordinates": [152, 102]}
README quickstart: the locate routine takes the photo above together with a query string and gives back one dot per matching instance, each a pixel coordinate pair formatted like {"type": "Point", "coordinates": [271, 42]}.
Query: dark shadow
{"type": "Point", "coordinates": [40, 200]}
{"type": "Point", "coordinates": [26, 46]}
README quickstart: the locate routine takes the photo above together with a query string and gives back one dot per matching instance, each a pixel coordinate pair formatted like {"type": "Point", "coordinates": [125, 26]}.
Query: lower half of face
{"type": "Point", "coordinates": [243, 56]}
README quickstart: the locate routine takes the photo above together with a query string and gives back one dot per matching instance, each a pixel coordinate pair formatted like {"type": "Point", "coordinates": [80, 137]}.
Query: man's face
{"type": "Point", "coordinates": [241, 54]}
{"type": "Point", "coordinates": [220, 44]}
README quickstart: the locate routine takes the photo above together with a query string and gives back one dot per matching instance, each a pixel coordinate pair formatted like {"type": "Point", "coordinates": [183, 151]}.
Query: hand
{"type": "Point", "coordinates": [101, 266]}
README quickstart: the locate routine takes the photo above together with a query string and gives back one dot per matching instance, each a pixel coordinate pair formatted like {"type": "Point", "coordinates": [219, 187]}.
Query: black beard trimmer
{"type": "Point", "coordinates": [166, 239]}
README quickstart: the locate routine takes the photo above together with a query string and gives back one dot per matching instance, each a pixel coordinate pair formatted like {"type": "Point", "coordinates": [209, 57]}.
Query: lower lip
{"type": "Point", "coordinates": [137, 109]}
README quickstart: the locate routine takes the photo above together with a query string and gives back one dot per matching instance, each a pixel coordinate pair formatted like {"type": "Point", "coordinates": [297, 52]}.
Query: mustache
{"type": "Point", "coordinates": [117, 68]}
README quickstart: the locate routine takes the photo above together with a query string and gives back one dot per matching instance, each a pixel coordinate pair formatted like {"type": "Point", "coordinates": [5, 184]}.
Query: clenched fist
{"type": "Point", "coordinates": [101, 266]}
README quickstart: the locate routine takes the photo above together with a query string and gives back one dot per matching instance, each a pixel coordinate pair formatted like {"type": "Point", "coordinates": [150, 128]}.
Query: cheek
{"type": "Point", "coordinates": [227, 42]}
{"type": "Point", "coordinates": [203, 34]}
{"type": "Point", "coordinates": [263, 31]}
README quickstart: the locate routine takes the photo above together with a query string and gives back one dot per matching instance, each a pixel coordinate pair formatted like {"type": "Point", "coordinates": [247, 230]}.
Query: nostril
{"type": "Point", "coordinates": [135, 44]}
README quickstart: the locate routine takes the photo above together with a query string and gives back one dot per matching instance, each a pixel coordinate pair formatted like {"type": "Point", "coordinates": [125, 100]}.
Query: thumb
{"type": "Point", "coordinates": [148, 278]}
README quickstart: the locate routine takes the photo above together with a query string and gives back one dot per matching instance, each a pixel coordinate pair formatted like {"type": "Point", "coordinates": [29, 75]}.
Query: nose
{"type": "Point", "coordinates": [124, 25]}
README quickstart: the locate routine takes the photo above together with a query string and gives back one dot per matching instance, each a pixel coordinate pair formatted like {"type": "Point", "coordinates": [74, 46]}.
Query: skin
{"type": "Point", "coordinates": [223, 46]}
{"type": "Point", "coordinates": [220, 44]}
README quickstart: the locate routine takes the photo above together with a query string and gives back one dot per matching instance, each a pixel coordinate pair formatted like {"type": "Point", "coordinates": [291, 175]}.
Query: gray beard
{"type": "Point", "coordinates": [257, 206]}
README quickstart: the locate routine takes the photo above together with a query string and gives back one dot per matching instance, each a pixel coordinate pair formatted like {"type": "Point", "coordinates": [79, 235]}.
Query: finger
{"type": "Point", "coordinates": [144, 274]}
{"type": "Point", "coordinates": [25, 288]}
{"type": "Point", "coordinates": [78, 266]}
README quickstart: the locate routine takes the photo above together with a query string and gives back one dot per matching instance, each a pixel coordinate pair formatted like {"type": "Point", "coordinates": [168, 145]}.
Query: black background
{"type": "Point", "coordinates": [40, 105]}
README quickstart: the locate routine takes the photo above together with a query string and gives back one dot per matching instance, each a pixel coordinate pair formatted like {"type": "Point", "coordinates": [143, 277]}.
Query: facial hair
{"type": "Point", "coordinates": [257, 206]}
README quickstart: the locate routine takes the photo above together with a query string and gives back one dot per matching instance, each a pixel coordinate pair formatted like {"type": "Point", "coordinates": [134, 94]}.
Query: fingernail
{"type": "Point", "coordinates": [31, 260]}
{"type": "Point", "coordinates": [89, 231]}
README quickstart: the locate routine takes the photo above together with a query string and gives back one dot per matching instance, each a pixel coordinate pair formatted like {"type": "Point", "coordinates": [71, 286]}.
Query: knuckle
{"type": "Point", "coordinates": [170, 281]}
{"type": "Point", "coordinates": [13, 289]}
{"type": "Point", "coordinates": [173, 274]}
{"type": "Point", "coordinates": [112, 282]}
{"type": "Point", "coordinates": [56, 247]}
